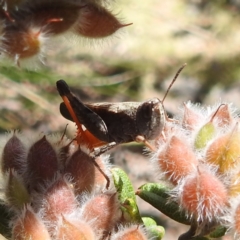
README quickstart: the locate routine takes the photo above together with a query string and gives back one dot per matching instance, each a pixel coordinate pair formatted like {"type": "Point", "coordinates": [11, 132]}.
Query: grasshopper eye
{"type": "Point", "coordinates": [147, 110]}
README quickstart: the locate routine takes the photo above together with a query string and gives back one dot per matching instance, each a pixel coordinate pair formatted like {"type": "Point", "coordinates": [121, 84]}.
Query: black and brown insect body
{"type": "Point", "coordinates": [108, 124]}
{"type": "Point", "coordinates": [104, 125]}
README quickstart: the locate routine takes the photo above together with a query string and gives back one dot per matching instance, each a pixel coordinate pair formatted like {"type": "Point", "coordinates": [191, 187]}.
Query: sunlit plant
{"type": "Point", "coordinates": [52, 187]}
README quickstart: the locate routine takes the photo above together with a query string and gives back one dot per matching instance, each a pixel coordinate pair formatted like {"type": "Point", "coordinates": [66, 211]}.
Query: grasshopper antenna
{"type": "Point", "coordinates": [174, 79]}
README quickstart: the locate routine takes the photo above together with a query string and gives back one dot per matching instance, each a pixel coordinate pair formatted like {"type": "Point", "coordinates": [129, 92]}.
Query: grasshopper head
{"type": "Point", "coordinates": [150, 118]}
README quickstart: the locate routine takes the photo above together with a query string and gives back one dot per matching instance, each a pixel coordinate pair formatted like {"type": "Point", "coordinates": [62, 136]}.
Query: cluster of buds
{"type": "Point", "coordinates": [26, 26]}
{"type": "Point", "coordinates": [199, 157]}
{"type": "Point", "coordinates": [54, 191]}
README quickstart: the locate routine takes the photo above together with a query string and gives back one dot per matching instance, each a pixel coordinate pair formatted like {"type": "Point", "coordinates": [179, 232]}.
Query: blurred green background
{"type": "Point", "coordinates": [135, 64]}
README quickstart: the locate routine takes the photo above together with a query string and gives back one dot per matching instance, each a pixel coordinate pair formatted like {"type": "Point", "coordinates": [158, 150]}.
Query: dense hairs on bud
{"type": "Point", "coordinates": [236, 221]}
{"type": "Point", "coordinates": [203, 196]}
{"type": "Point", "coordinates": [134, 232]}
{"type": "Point", "coordinates": [16, 191]}
{"type": "Point", "coordinates": [234, 186]}
{"type": "Point", "coordinates": [103, 210]}
{"type": "Point", "coordinates": [58, 199]}
{"type": "Point", "coordinates": [191, 117]}
{"type": "Point", "coordinates": [42, 163]}
{"type": "Point", "coordinates": [82, 170]}
{"type": "Point", "coordinates": [19, 43]}
{"type": "Point", "coordinates": [52, 16]}
{"type": "Point", "coordinates": [224, 152]}
{"type": "Point", "coordinates": [23, 41]}
{"type": "Point", "coordinates": [73, 229]}
{"type": "Point", "coordinates": [26, 25]}
{"type": "Point", "coordinates": [13, 155]}
{"type": "Point", "coordinates": [29, 226]}
{"type": "Point", "coordinates": [85, 176]}
{"type": "Point", "coordinates": [176, 160]}
{"type": "Point", "coordinates": [96, 21]}
{"type": "Point", "coordinates": [224, 115]}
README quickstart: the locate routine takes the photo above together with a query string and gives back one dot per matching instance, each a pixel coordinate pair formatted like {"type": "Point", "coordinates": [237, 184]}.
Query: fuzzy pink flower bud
{"type": "Point", "coordinates": [72, 230]}
{"type": "Point", "coordinates": [29, 226]}
{"type": "Point", "coordinates": [104, 210]}
{"type": "Point", "coordinates": [85, 175]}
{"type": "Point", "coordinates": [177, 160]}
{"type": "Point", "coordinates": [223, 115]}
{"type": "Point", "coordinates": [204, 196]}
{"type": "Point", "coordinates": [58, 199]}
{"type": "Point", "coordinates": [191, 119]}
{"type": "Point", "coordinates": [134, 232]}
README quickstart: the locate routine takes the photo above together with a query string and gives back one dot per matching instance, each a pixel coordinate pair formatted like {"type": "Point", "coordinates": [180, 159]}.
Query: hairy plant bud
{"type": "Point", "coordinates": [72, 230]}
{"type": "Point", "coordinates": [22, 42]}
{"type": "Point", "coordinates": [220, 118]}
{"type": "Point", "coordinates": [204, 135]}
{"type": "Point", "coordinates": [82, 170]}
{"type": "Point", "coordinates": [104, 210]}
{"type": "Point", "coordinates": [96, 21]}
{"type": "Point", "coordinates": [177, 160]}
{"type": "Point", "coordinates": [13, 155]}
{"type": "Point", "coordinates": [224, 152]}
{"type": "Point", "coordinates": [203, 196]}
{"type": "Point", "coordinates": [134, 232]}
{"type": "Point", "coordinates": [26, 26]}
{"type": "Point", "coordinates": [42, 164]}
{"type": "Point", "coordinates": [235, 221]}
{"type": "Point", "coordinates": [58, 199]}
{"type": "Point", "coordinates": [85, 175]}
{"type": "Point", "coordinates": [234, 186]}
{"type": "Point", "coordinates": [29, 226]}
{"type": "Point", "coordinates": [16, 191]}
{"type": "Point", "coordinates": [191, 118]}
{"type": "Point", "coordinates": [52, 16]}
{"type": "Point", "coordinates": [223, 115]}
{"type": "Point", "coordinates": [63, 155]}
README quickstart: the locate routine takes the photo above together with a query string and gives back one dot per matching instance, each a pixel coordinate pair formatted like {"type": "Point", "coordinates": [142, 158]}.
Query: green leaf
{"type": "Point", "coordinates": [157, 195]}
{"type": "Point", "coordinates": [126, 195]}
{"type": "Point", "coordinates": [148, 222]}
{"type": "Point", "coordinates": [218, 232]}
{"type": "Point", "coordinates": [155, 232]}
